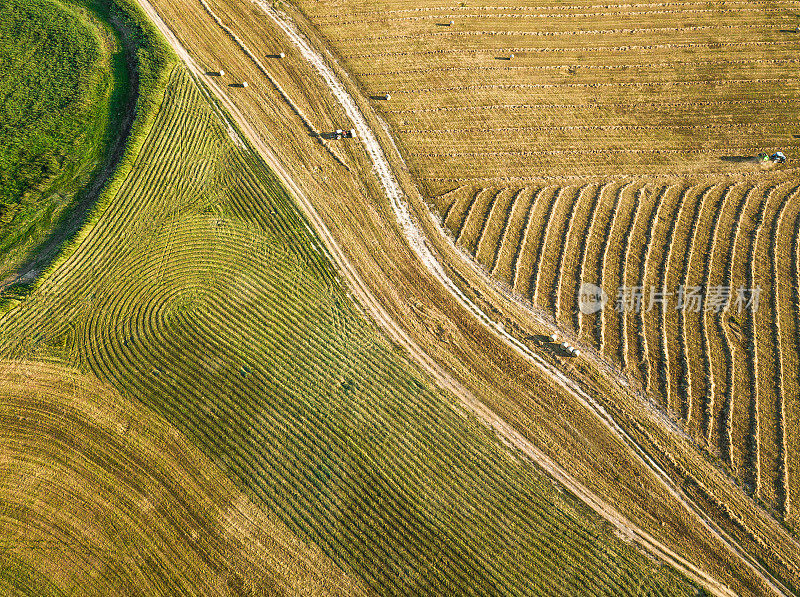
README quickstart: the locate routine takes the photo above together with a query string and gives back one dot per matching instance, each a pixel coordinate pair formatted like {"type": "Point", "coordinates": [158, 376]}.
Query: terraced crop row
{"type": "Point", "coordinates": [202, 293]}
{"type": "Point", "coordinates": [728, 372]}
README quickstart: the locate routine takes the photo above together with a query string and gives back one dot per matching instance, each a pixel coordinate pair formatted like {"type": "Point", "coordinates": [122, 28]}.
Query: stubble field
{"type": "Point", "coordinates": [614, 148]}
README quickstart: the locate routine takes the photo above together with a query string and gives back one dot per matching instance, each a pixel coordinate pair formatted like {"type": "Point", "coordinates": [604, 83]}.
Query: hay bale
{"type": "Point", "coordinates": [221, 73]}
{"type": "Point", "coordinates": [244, 83]}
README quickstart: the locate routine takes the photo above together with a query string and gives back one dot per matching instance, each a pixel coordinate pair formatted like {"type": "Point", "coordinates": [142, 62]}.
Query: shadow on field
{"type": "Point", "coordinates": [738, 159]}
{"type": "Point", "coordinates": [502, 58]}
{"type": "Point", "coordinates": [796, 136]}
{"type": "Point", "coordinates": [790, 30]}
{"type": "Point", "coordinates": [378, 97]}
{"type": "Point", "coordinates": [546, 343]}
{"type": "Point", "coordinates": [327, 136]}
{"type": "Point", "coordinates": [538, 339]}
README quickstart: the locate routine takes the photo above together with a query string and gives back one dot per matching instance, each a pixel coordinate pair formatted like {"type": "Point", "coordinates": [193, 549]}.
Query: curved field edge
{"type": "Point", "coordinates": [194, 295]}
{"type": "Point", "coordinates": [150, 61]}
{"type": "Point", "coordinates": [59, 95]}
{"type": "Point", "coordinates": [102, 495]}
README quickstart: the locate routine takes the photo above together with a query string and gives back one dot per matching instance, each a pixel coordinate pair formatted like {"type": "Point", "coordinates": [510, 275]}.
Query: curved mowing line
{"type": "Point", "coordinates": [502, 237]}
{"type": "Point", "coordinates": [552, 247]}
{"type": "Point", "coordinates": [582, 253]}
{"type": "Point", "coordinates": [471, 237]}
{"type": "Point", "coordinates": [540, 239]}
{"type": "Point", "coordinates": [513, 236]}
{"type": "Point", "coordinates": [791, 409]}
{"type": "Point", "coordinates": [754, 430]}
{"type": "Point", "coordinates": [458, 212]}
{"type": "Point", "coordinates": [569, 258]}
{"type": "Point", "coordinates": [743, 419]}
{"type": "Point", "coordinates": [780, 353]}
{"type": "Point", "coordinates": [624, 261]}
{"type": "Point", "coordinates": [673, 398]}
{"type": "Point", "coordinates": [591, 269]}
{"type": "Point", "coordinates": [651, 367]}
{"type": "Point", "coordinates": [634, 265]}
{"type": "Point", "coordinates": [719, 432]}
{"type": "Point", "coordinates": [766, 346]}
{"type": "Point", "coordinates": [695, 388]}
{"type": "Point", "coordinates": [522, 269]}
{"type": "Point", "coordinates": [732, 408]}
{"type": "Point", "coordinates": [488, 245]}
{"type": "Point", "coordinates": [444, 201]}
{"type": "Point", "coordinates": [457, 198]}
{"type": "Point", "coordinates": [609, 243]}
{"type": "Point", "coordinates": [708, 249]}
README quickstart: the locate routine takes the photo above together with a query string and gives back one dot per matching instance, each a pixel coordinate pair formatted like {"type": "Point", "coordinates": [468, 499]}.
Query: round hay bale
{"type": "Point", "coordinates": [244, 83]}
{"type": "Point", "coordinates": [282, 55]}
{"type": "Point", "coordinates": [388, 97]}
{"type": "Point", "coordinates": [221, 73]}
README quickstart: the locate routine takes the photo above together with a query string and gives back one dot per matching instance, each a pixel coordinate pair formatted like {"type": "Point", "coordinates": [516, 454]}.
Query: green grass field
{"type": "Point", "coordinates": [57, 93]}
{"type": "Point", "coordinates": [202, 293]}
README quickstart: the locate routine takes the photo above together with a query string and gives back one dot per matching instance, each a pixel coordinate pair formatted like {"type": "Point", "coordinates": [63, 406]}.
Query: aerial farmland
{"type": "Point", "coordinates": [399, 298]}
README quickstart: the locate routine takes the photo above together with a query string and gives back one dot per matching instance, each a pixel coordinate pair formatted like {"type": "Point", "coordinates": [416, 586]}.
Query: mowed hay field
{"type": "Point", "coordinates": [202, 294]}
{"type": "Point", "coordinates": [101, 496]}
{"type": "Point", "coordinates": [614, 149]}
{"type": "Point", "coordinates": [593, 88]}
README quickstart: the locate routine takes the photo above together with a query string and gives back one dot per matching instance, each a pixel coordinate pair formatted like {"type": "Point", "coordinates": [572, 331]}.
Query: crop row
{"type": "Point", "coordinates": [724, 372]}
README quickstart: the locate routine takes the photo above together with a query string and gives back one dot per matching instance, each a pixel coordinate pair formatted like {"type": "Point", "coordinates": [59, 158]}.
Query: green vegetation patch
{"type": "Point", "coordinates": [53, 87]}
